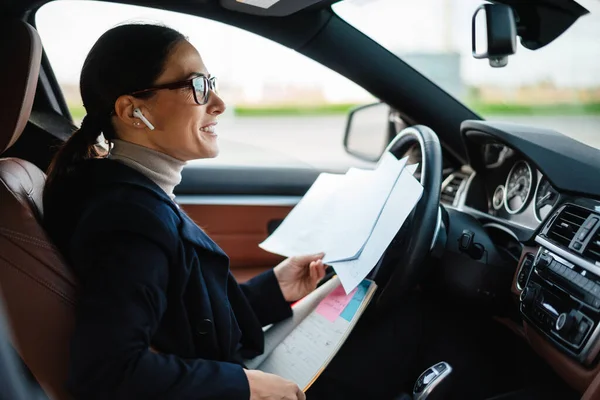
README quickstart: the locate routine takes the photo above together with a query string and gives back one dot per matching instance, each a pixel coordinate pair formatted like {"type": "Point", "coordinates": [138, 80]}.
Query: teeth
{"type": "Point", "coordinates": [209, 129]}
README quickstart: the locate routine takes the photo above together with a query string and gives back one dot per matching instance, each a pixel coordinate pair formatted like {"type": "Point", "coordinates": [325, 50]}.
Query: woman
{"type": "Point", "coordinates": [160, 315]}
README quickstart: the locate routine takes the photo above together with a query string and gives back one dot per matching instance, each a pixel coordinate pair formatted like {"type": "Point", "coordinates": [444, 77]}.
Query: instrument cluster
{"type": "Point", "coordinates": [516, 190]}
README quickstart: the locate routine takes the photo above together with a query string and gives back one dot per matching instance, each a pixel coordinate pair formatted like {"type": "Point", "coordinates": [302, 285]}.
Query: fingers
{"type": "Point", "coordinates": [295, 392]}
{"type": "Point", "coordinates": [312, 271]}
{"type": "Point", "coordinates": [322, 270]}
{"type": "Point", "coordinates": [316, 271]}
{"type": "Point", "coordinates": [301, 395]}
{"type": "Point", "coordinates": [310, 257]}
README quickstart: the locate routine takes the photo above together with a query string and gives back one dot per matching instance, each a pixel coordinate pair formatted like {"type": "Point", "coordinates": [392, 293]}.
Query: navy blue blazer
{"type": "Point", "coordinates": [152, 279]}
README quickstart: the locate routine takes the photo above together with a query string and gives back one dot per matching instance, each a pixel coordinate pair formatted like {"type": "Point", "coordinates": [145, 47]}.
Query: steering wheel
{"type": "Point", "coordinates": [400, 268]}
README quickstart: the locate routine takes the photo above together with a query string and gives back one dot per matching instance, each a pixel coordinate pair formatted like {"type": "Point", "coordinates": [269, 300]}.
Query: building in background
{"type": "Point", "coordinates": [443, 68]}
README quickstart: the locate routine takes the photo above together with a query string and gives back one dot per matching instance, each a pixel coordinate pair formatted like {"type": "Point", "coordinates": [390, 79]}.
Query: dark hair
{"type": "Point", "coordinates": [125, 59]}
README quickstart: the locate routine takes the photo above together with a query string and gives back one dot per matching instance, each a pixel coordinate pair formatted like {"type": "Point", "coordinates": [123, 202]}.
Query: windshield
{"type": "Point", "coordinates": [557, 86]}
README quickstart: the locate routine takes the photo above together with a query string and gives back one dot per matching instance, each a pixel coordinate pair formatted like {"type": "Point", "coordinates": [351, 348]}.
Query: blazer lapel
{"type": "Point", "coordinates": [192, 233]}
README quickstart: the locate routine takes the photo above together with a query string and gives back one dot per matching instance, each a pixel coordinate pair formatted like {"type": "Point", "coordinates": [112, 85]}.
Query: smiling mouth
{"type": "Point", "coordinates": [208, 129]}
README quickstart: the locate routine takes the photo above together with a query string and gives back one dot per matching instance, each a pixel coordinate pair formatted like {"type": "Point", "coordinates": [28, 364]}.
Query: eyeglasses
{"type": "Point", "coordinates": [201, 86]}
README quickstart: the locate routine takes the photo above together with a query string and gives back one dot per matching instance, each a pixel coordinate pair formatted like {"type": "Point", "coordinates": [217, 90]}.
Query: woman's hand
{"type": "Point", "coordinates": [265, 386]}
{"type": "Point", "coordinates": [298, 276]}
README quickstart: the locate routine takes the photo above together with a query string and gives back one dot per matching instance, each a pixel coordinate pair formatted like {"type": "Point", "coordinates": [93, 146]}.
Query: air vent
{"type": "Point", "coordinates": [567, 224]}
{"type": "Point", "coordinates": [450, 188]}
{"type": "Point", "coordinates": [592, 251]}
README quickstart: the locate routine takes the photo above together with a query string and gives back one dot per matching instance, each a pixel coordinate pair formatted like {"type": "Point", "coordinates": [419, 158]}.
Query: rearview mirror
{"type": "Point", "coordinates": [369, 129]}
{"type": "Point", "coordinates": [494, 33]}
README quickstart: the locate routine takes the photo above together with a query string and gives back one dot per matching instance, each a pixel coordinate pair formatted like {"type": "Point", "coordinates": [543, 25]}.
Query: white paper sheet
{"type": "Point", "coordinates": [412, 168]}
{"type": "Point", "coordinates": [338, 214]}
{"type": "Point", "coordinates": [404, 197]}
{"type": "Point", "coordinates": [359, 208]}
{"type": "Point", "coordinates": [302, 231]}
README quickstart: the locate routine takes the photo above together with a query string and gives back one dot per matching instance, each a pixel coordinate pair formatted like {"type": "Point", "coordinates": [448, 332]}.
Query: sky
{"type": "Point", "coordinates": [69, 28]}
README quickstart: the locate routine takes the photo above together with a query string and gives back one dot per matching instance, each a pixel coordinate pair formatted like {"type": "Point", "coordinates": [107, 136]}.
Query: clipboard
{"type": "Point", "coordinates": [301, 347]}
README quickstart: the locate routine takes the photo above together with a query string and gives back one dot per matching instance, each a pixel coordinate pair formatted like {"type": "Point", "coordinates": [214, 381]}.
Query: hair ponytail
{"type": "Point", "coordinates": [81, 146]}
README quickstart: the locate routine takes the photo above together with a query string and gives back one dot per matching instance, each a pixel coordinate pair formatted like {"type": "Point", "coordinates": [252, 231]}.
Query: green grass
{"type": "Point", "coordinates": [551, 109]}
{"type": "Point", "coordinates": [292, 110]}
{"type": "Point", "coordinates": [484, 109]}
{"type": "Point", "coordinates": [77, 111]}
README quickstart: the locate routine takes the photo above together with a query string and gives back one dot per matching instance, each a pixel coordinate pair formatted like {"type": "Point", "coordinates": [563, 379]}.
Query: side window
{"type": "Point", "coordinates": [283, 109]}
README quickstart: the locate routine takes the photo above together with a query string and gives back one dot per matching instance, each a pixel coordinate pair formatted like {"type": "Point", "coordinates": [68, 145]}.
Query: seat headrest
{"type": "Point", "coordinates": [21, 50]}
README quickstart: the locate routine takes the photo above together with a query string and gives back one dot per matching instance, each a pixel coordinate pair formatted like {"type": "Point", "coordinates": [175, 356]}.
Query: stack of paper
{"type": "Point", "coordinates": [352, 218]}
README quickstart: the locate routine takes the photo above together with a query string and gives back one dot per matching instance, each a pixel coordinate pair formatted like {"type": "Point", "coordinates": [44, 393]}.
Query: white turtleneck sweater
{"type": "Point", "coordinates": [161, 168]}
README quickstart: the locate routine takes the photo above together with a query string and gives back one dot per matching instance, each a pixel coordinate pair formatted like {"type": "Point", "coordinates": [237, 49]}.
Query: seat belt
{"type": "Point", "coordinates": [53, 123]}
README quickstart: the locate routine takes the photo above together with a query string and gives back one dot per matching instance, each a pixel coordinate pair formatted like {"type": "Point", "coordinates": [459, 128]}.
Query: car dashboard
{"type": "Point", "coordinates": [539, 188]}
{"type": "Point", "coordinates": [514, 188]}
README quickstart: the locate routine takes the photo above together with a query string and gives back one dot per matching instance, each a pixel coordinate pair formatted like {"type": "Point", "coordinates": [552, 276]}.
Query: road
{"type": "Point", "coordinates": [318, 141]}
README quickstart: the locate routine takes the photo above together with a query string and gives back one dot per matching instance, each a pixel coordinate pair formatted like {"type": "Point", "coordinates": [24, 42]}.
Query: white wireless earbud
{"type": "Point", "coordinates": [138, 113]}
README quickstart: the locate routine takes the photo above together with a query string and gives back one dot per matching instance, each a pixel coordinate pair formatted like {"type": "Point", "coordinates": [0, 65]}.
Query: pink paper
{"type": "Point", "coordinates": [332, 306]}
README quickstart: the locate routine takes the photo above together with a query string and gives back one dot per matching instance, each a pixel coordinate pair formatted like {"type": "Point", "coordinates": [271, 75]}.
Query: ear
{"type": "Point", "coordinates": [124, 107]}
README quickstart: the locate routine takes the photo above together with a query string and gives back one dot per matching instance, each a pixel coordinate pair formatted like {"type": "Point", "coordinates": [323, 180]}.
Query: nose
{"type": "Point", "coordinates": [215, 105]}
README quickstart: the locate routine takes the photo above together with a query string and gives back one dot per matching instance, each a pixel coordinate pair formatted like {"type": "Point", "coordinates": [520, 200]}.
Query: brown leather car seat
{"type": "Point", "coordinates": [37, 287]}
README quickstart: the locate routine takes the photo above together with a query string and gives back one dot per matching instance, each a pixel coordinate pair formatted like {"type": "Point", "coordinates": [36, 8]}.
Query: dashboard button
{"type": "Point", "coordinates": [583, 234]}
{"type": "Point", "coordinates": [596, 302]}
{"type": "Point", "coordinates": [581, 332]}
{"type": "Point", "coordinates": [579, 279]}
{"type": "Point", "coordinates": [583, 327]}
{"type": "Point", "coordinates": [589, 299]}
{"type": "Point", "coordinates": [562, 270]}
{"type": "Point", "coordinates": [577, 246]}
{"type": "Point", "coordinates": [590, 224]}
{"type": "Point", "coordinates": [577, 338]}
{"type": "Point", "coordinates": [544, 261]}
{"type": "Point", "coordinates": [441, 367]}
{"type": "Point", "coordinates": [466, 239]}
{"type": "Point", "coordinates": [595, 290]}
{"type": "Point", "coordinates": [588, 285]}
{"type": "Point", "coordinates": [564, 323]}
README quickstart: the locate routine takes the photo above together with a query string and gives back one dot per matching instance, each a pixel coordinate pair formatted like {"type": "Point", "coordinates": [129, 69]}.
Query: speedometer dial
{"type": "Point", "coordinates": [545, 199]}
{"type": "Point", "coordinates": [518, 187]}
{"type": "Point", "coordinates": [498, 198]}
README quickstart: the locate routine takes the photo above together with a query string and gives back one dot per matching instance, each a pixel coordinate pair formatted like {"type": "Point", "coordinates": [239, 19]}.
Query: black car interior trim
{"type": "Point", "coordinates": [557, 156]}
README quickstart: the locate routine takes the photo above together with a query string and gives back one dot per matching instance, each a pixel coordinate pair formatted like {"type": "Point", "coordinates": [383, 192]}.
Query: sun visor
{"type": "Point", "coordinates": [270, 8]}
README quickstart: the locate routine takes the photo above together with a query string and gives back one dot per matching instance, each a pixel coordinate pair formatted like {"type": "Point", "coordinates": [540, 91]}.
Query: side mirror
{"type": "Point", "coordinates": [369, 129]}
{"type": "Point", "coordinates": [494, 33]}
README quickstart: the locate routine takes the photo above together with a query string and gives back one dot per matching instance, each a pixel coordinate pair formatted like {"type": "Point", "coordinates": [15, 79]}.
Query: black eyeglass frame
{"type": "Point", "coordinates": [209, 83]}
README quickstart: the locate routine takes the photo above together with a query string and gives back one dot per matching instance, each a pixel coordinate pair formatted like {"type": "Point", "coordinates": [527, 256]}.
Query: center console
{"type": "Point", "coordinates": [560, 285]}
